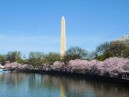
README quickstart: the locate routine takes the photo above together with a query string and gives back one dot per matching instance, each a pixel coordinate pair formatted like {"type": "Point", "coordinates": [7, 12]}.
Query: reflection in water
{"type": "Point", "coordinates": [62, 90]}
{"type": "Point", "coordinates": [41, 85]}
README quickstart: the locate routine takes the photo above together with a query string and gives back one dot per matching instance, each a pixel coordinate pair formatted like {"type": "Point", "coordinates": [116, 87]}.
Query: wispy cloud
{"type": "Point", "coordinates": [47, 43]}
{"type": "Point", "coordinates": [26, 43]}
{"type": "Point", "coordinates": [88, 42]}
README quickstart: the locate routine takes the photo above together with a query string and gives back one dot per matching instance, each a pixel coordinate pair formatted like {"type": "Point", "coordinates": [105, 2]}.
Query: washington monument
{"type": "Point", "coordinates": [63, 37]}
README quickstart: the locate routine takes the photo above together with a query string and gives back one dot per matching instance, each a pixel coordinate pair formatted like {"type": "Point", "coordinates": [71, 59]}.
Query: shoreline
{"type": "Point", "coordinates": [80, 75]}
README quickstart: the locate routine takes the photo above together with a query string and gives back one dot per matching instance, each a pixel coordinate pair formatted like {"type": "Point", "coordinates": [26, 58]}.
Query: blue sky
{"type": "Point", "coordinates": [34, 25]}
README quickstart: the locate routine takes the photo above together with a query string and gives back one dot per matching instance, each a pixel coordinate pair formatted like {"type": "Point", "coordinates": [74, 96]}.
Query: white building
{"type": "Point", "coordinates": [123, 40]}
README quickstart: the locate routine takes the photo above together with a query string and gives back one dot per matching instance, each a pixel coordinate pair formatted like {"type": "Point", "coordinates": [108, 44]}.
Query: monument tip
{"type": "Point", "coordinates": [63, 17]}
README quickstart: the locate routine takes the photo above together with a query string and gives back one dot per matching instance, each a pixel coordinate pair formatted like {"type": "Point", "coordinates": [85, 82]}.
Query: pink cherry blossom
{"type": "Point", "coordinates": [112, 66]}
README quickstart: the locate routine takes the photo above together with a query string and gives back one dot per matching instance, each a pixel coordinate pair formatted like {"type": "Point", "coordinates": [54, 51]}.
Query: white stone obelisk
{"type": "Point", "coordinates": [63, 37]}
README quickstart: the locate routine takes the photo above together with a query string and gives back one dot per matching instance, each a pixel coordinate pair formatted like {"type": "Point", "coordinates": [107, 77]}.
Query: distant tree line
{"type": "Point", "coordinates": [102, 52]}
{"type": "Point", "coordinates": [40, 58]}
{"type": "Point", "coordinates": [107, 50]}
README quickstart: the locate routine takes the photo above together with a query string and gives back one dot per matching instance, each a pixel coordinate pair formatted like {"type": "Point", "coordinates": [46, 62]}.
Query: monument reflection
{"type": "Point", "coordinates": [42, 85]}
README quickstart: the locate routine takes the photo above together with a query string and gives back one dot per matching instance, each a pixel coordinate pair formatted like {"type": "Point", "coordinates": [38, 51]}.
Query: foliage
{"type": "Point", "coordinates": [51, 58]}
{"type": "Point", "coordinates": [113, 67]}
{"type": "Point", "coordinates": [126, 53]}
{"type": "Point", "coordinates": [103, 48]}
{"type": "Point", "coordinates": [75, 53]}
{"type": "Point", "coordinates": [91, 55]}
{"type": "Point", "coordinates": [13, 56]}
{"type": "Point", "coordinates": [2, 59]}
{"type": "Point", "coordinates": [117, 50]}
{"type": "Point", "coordinates": [107, 50]}
{"type": "Point", "coordinates": [103, 51]}
{"type": "Point", "coordinates": [35, 58]}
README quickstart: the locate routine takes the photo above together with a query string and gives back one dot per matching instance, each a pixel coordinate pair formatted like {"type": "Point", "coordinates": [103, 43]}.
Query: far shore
{"type": "Point", "coordinates": [115, 70]}
{"type": "Point", "coordinates": [78, 75]}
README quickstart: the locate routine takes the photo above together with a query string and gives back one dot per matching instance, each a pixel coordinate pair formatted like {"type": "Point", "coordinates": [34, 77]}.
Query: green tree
{"type": "Point", "coordinates": [117, 50]}
{"type": "Point", "coordinates": [107, 50]}
{"type": "Point", "coordinates": [125, 53]}
{"type": "Point", "coordinates": [13, 56]}
{"type": "Point", "coordinates": [104, 56]}
{"type": "Point", "coordinates": [92, 55]}
{"type": "Point", "coordinates": [2, 59]}
{"type": "Point", "coordinates": [36, 58]}
{"type": "Point", "coordinates": [75, 53]}
{"type": "Point", "coordinates": [51, 58]}
{"type": "Point", "coordinates": [102, 48]}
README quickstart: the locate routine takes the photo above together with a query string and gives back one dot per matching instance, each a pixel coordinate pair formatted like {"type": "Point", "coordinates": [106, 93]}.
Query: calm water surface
{"type": "Point", "coordinates": [42, 85]}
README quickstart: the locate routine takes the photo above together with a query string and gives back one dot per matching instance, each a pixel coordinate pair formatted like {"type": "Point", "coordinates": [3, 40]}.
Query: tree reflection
{"type": "Point", "coordinates": [43, 85]}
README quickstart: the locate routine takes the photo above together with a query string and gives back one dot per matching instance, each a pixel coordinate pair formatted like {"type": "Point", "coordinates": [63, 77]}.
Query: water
{"type": "Point", "coordinates": [42, 85]}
